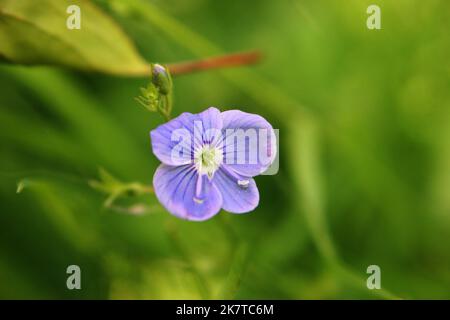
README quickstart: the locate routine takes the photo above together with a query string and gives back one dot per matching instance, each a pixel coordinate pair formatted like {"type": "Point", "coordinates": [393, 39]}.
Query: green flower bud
{"type": "Point", "coordinates": [161, 79]}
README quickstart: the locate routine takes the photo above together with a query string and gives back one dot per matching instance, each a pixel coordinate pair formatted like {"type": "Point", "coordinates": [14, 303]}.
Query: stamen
{"type": "Point", "coordinates": [208, 159]}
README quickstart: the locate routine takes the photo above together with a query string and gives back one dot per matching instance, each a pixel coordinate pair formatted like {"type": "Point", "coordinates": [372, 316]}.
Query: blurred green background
{"type": "Point", "coordinates": [364, 119]}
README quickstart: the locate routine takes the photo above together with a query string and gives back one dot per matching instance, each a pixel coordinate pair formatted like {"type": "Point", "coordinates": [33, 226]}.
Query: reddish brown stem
{"type": "Point", "coordinates": [229, 60]}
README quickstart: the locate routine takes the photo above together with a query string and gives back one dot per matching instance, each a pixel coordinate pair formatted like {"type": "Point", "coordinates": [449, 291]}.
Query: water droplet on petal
{"type": "Point", "coordinates": [199, 201]}
{"type": "Point", "coordinates": [243, 183]}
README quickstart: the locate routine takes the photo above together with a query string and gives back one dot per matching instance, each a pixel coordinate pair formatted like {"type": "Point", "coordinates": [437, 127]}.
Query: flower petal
{"type": "Point", "coordinates": [257, 147]}
{"type": "Point", "coordinates": [174, 141]}
{"type": "Point", "coordinates": [185, 194]}
{"type": "Point", "coordinates": [212, 125]}
{"type": "Point", "coordinates": [240, 194]}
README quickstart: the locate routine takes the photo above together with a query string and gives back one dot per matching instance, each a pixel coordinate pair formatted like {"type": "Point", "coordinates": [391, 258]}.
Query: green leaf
{"type": "Point", "coordinates": [35, 32]}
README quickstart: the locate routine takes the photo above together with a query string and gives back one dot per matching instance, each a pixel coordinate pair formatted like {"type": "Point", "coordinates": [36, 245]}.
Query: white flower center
{"type": "Point", "coordinates": [207, 159]}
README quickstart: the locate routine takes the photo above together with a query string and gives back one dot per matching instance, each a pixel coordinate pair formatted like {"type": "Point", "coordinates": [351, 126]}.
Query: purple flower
{"type": "Point", "coordinates": [209, 161]}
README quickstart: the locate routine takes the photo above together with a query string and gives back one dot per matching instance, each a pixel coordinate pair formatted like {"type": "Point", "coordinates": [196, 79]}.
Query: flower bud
{"type": "Point", "coordinates": [161, 79]}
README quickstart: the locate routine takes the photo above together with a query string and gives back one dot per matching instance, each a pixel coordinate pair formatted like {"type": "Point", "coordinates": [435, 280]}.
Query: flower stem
{"type": "Point", "coordinates": [236, 273]}
{"type": "Point", "coordinates": [224, 61]}
{"type": "Point", "coordinates": [200, 280]}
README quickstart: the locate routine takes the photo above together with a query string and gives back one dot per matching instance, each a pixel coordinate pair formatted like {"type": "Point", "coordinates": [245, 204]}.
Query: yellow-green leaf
{"type": "Point", "coordinates": [36, 32]}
